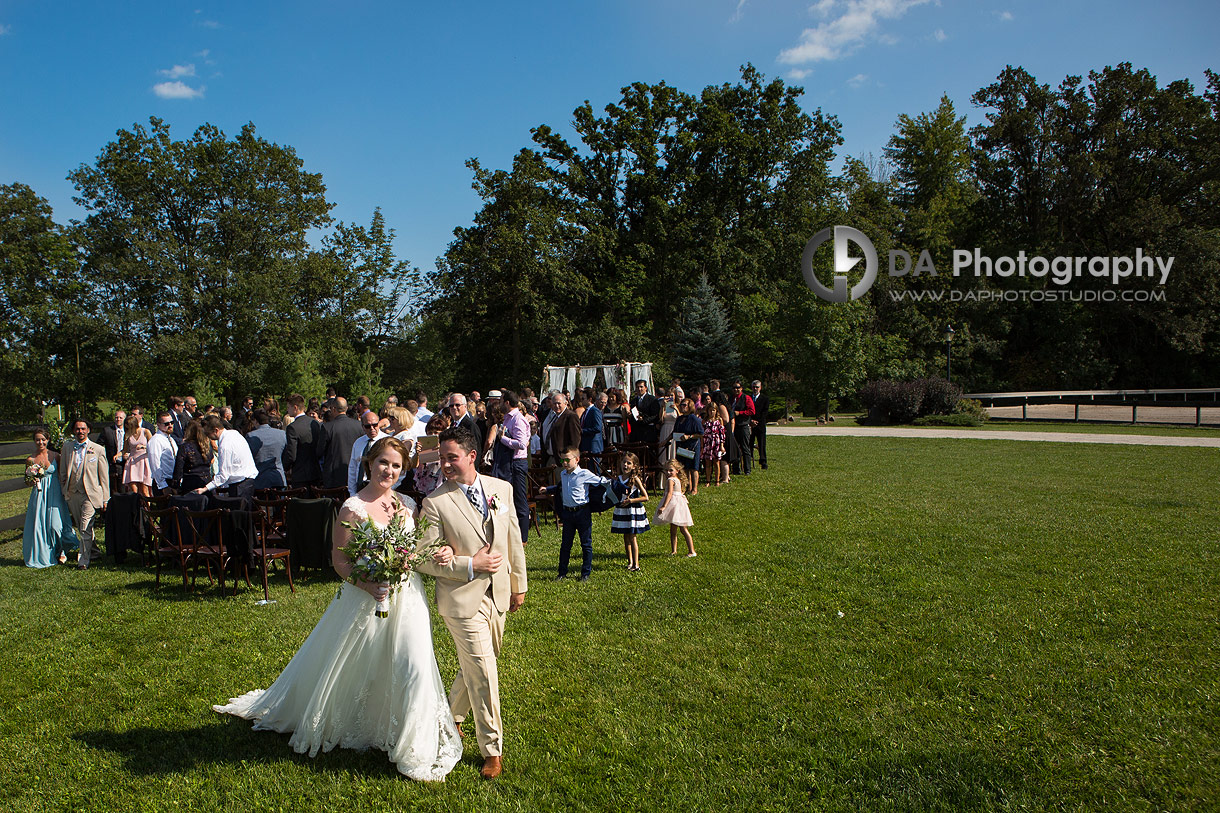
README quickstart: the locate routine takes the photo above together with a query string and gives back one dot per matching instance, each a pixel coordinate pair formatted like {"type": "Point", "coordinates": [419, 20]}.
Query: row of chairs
{"type": "Point", "coordinates": [238, 534]}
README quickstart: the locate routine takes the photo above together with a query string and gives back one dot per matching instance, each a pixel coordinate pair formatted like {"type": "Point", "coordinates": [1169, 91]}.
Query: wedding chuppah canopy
{"type": "Point", "coordinates": [622, 375]}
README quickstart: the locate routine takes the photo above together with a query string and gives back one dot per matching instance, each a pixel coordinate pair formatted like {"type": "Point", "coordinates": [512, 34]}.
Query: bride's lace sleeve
{"type": "Point", "coordinates": [356, 506]}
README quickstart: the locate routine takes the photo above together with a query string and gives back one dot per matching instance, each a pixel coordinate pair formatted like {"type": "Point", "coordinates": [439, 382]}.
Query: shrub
{"type": "Point", "coordinates": [939, 396]}
{"type": "Point", "coordinates": [972, 407]}
{"type": "Point", "coordinates": [906, 398]}
{"type": "Point", "coordinates": [956, 419]}
{"type": "Point", "coordinates": [904, 401]}
{"type": "Point", "coordinates": [872, 394]}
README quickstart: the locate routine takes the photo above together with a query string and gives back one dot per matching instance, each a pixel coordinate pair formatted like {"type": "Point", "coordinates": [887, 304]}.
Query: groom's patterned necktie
{"type": "Point", "coordinates": [473, 496]}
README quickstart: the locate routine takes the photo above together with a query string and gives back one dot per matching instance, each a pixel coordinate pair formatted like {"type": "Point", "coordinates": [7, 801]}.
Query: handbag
{"type": "Point", "coordinates": [683, 453]}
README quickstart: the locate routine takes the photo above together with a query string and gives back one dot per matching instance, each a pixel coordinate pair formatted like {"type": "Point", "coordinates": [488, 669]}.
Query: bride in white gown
{"type": "Point", "coordinates": [359, 681]}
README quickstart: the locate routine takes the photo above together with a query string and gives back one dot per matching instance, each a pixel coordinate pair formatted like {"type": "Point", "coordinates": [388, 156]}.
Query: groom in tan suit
{"type": "Point", "coordinates": [84, 477]}
{"type": "Point", "coordinates": [484, 578]}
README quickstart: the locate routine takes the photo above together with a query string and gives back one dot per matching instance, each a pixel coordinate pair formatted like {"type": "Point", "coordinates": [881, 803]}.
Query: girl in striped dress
{"type": "Point", "coordinates": [630, 517]}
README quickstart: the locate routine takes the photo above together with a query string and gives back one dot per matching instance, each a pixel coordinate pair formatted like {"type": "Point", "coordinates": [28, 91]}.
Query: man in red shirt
{"type": "Point", "coordinates": [743, 408]}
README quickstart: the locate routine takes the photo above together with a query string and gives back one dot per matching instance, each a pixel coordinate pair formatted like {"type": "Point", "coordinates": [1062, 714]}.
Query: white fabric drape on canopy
{"type": "Point", "coordinates": [610, 373]}
{"type": "Point", "coordinates": [569, 379]}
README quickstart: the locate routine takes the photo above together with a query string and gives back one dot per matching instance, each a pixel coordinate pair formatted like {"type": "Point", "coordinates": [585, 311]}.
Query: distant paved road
{"type": "Point", "coordinates": [990, 434]}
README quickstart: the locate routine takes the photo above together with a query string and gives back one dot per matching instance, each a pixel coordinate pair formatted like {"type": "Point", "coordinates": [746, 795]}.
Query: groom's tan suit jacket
{"type": "Point", "coordinates": [459, 524]}
{"type": "Point", "coordinates": [473, 608]}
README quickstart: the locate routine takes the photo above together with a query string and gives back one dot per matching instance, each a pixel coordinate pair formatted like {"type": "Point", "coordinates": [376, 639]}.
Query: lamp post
{"type": "Point", "coordinates": [949, 353]}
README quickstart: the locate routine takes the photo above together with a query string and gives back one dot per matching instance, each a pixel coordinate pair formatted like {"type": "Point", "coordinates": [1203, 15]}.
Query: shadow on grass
{"type": "Point", "coordinates": [154, 751]}
{"type": "Point", "coordinates": [171, 589]}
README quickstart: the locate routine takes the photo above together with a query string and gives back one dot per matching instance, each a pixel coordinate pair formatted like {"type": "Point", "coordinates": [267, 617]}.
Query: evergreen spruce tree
{"type": "Point", "coordinates": [704, 345]}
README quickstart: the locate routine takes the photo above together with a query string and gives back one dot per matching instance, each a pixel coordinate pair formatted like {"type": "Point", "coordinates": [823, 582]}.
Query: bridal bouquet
{"type": "Point", "coordinates": [386, 554]}
{"type": "Point", "coordinates": [34, 474]}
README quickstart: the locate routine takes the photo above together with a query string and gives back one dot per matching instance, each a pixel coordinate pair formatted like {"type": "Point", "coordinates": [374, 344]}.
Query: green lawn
{"type": "Point", "coordinates": [1012, 425]}
{"type": "Point", "coordinates": [873, 624]}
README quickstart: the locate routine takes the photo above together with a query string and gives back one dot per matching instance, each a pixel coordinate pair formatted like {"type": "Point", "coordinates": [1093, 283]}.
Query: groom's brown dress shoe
{"type": "Point", "coordinates": [492, 767]}
{"type": "Point", "coordinates": [461, 733]}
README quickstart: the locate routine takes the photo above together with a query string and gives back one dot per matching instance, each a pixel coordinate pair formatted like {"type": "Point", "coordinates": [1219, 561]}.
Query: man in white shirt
{"type": "Point", "coordinates": [235, 467]}
{"type": "Point", "coordinates": [423, 414]}
{"type": "Point", "coordinates": [371, 424]}
{"type": "Point", "coordinates": [162, 449]}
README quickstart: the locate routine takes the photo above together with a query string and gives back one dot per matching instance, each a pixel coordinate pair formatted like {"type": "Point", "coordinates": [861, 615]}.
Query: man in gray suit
{"type": "Point", "coordinates": [338, 435]}
{"type": "Point", "coordinates": [300, 456]}
{"type": "Point", "coordinates": [267, 445]}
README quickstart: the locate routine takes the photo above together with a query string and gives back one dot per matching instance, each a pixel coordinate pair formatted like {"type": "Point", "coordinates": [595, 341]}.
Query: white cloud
{"type": "Point", "coordinates": [1005, 16]}
{"type": "Point", "coordinates": [741, 6]}
{"type": "Point", "coordinates": [939, 35]}
{"type": "Point", "coordinates": [4, 29]}
{"type": "Point", "coordinates": [177, 90]}
{"type": "Point", "coordinates": [210, 24]}
{"type": "Point", "coordinates": [179, 71]}
{"type": "Point", "coordinates": [856, 22]}
{"type": "Point", "coordinates": [797, 74]}
{"type": "Point", "coordinates": [857, 80]}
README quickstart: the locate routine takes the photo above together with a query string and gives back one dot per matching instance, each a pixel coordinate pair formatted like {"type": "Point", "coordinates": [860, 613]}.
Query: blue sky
{"type": "Point", "coordinates": [388, 99]}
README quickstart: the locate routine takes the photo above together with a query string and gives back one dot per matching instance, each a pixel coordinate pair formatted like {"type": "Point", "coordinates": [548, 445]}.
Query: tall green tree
{"type": "Point", "coordinates": [660, 188]}
{"type": "Point", "coordinates": [1101, 169]}
{"type": "Point", "coordinates": [508, 297]}
{"type": "Point", "coordinates": [194, 245]}
{"type": "Point", "coordinates": [703, 343]}
{"type": "Point", "coordinates": [375, 289]}
{"type": "Point", "coordinates": [52, 350]}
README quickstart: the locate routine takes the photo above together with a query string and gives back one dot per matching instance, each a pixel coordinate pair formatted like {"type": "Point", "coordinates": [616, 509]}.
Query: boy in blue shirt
{"type": "Point", "coordinates": [575, 512]}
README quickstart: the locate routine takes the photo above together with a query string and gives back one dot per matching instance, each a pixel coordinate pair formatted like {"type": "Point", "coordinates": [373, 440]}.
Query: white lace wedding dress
{"type": "Point", "coordinates": [364, 682]}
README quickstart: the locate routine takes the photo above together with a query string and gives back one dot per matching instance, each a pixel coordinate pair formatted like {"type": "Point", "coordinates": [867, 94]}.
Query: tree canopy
{"type": "Point", "coordinates": [669, 213]}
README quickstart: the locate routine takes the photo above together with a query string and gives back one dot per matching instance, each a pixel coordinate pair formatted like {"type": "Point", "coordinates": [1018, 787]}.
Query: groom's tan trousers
{"type": "Point", "coordinates": [476, 686]}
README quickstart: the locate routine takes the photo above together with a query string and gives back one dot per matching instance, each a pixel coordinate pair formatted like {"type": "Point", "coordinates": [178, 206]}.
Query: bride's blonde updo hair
{"type": "Point", "coordinates": [380, 446]}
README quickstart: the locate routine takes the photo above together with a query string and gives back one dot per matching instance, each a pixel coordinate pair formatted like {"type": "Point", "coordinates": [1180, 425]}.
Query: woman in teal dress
{"type": "Point", "coordinates": [48, 524]}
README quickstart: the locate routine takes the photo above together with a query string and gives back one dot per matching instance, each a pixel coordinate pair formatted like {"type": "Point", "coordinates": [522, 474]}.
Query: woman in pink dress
{"type": "Point", "coordinates": [137, 473]}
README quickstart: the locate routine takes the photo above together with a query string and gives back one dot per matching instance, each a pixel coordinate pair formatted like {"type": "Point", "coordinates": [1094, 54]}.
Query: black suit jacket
{"type": "Point", "coordinates": [301, 450]}
{"type": "Point", "coordinates": [761, 405]}
{"type": "Point", "coordinates": [180, 422]}
{"type": "Point", "coordinates": [338, 436]}
{"type": "Point", "coordinates": [110, 440]}
{"type": "Point", "coordinates": [469, 422]}
{"type": "Point", "coordinates": [564, 433]}
{"type": "Point", "coordinates": [647, 428]}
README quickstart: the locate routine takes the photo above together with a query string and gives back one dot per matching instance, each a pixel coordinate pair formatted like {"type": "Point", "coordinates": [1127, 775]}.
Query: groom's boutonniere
{"type": "Point", "coordinates": [493, 504]}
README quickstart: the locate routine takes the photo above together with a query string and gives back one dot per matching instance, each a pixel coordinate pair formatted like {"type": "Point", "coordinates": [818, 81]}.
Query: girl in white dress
{"type": "Point", "coordinates": [359, 681]}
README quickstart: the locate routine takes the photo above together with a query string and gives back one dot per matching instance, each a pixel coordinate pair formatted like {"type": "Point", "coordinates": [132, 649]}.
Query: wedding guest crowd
{"type": "Point", "coordinates": [676, 440]}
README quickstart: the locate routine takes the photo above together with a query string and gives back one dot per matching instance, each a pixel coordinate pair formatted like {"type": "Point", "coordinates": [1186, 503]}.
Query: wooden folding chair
{"type": "Point", "coordinates": [166, 541]}
{"type": "Point", "coordinates": [207, 544]}
{"type": "Point", "coordinates": [539, 477]}
{"type": "Point", "coordinates": [281, 492]}
{"type": "Point", "coordinates": [272, 538]}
